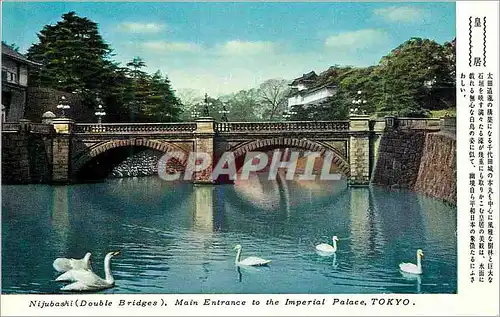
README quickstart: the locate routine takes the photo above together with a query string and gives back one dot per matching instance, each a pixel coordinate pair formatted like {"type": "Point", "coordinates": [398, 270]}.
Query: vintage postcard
{"type": "Point", "coordinates": [249, 158]}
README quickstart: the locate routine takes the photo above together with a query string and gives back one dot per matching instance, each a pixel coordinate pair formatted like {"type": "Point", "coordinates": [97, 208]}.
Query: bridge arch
{"type": "Point", "coordinates": [82, 158]}
{"type": "Point", "coordinates": [273, 143]}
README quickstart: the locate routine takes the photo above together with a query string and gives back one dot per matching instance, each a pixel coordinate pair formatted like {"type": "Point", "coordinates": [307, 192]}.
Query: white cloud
{"type": "Point", "coordinates": [184, 47]}
{"type": "Point", "coordinates": [406, 14]}
{"type": "Point", "coordinates": [136, 27]}
{"type": "Point", "coordinates": [214, 71]}
{"type": "Point", "coordinates": [218, 74]}
{"type": "Point", "coordinates": [241, 48]}
{"type": "Point", "coordinates": [365, 38]}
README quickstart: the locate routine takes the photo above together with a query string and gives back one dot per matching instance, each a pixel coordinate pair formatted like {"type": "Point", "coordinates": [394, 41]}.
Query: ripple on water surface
{"type": "Point", "coordinates": [177, 238]}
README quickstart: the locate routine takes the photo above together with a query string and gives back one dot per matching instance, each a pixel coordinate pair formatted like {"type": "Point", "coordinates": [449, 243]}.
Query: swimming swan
{"type": "Point", "coordinates": [65, 264]}
{"type": "Point", "coordinates": [412, 268]}
{"type": "Point", "coordinates": [250, 261]}
{"type": "Point", "coordinates": [326, 248]}
{"type": "Point", "coordinates": [86, 280]}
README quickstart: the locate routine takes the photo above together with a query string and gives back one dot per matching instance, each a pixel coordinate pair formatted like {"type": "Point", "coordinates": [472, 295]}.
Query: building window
{"type": "Point", "coordinates": [9, 76]}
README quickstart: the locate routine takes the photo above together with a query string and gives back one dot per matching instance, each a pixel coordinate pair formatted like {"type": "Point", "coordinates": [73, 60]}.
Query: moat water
{"type": "Point", "coordinates": [179, 238]}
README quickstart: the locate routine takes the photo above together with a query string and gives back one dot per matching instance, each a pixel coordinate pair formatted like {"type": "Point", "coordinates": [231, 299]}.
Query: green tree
{"type": "Point", "coordinates": [75, 58]}
{"type": "Point", "coordinates": [161, 105]}
{"type": "Point", "coordinates": [335, 107]}
{"type": "Point", "coordinates": [138, 92]}
{"type": "Point", "coordinates": [411, 75]}
{"type": "Point", "coordinates": [243, 105]}
{"type": "Point", "coordinates": [135, 66]}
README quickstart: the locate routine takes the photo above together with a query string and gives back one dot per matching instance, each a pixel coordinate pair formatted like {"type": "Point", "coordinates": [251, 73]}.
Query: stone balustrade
{"type": "Point", "coordinates": [290, 126]}
{"type": "Point", "coordinates": [120, 128]}
{"type": "Point", "coordinates": [11, 127]}
{"type": "Point", "coordinates": [27, 126]}
{"type": "Point", "coordinates": [402, 123]}
{"type": "Point", "coordinates": [448, 125]}
{"type": "Point", "coordinates": [41, 128]}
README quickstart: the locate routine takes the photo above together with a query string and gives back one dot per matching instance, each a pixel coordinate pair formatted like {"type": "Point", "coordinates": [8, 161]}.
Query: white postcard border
{"type": "Point", "coordinates": [472, 299]}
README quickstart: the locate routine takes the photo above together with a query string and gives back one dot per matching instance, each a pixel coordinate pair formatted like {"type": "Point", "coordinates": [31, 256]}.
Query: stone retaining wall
{"type": "Point", "coordinates": [419, 161]}
{"type": "Point", "coordinates": [399, 159]}
{"type": "Point", "coordinates": [437, 175]}
{"type": "Point", "coordinates": [26, 158]}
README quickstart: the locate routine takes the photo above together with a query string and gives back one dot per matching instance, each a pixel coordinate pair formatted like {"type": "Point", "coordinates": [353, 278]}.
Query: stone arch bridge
{"type": "Point", "coordinates": [70, 146]}
{"type": "Point", "coordinates": [352, 142]}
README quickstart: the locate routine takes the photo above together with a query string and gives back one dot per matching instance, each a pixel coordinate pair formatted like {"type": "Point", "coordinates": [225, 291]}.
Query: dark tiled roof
{"type": "Point", "coordinates": [311, 76]}
{"type": "Point", "coordinates": [7, 50]}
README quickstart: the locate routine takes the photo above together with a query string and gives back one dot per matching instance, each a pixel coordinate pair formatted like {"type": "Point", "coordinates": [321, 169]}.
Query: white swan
{"type": "Point", "coordinates": [326, 249]}
{"type": "Point", "coordinates": [65, 264]}
{"type": "Point", "coordinates": [250, 261]}
{"type": "Point", "coordinates": [412, 268]}
{"type": "Point", "coordinates": [86, 280]}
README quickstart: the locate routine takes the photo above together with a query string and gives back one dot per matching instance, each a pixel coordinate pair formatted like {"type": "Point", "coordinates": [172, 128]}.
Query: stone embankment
{"type": "Point", "coordinates": [420, 161]}
{"type": "Point", "coordinates": [437, 175]}
{"type": "Point", "coordinates": [26, 158]}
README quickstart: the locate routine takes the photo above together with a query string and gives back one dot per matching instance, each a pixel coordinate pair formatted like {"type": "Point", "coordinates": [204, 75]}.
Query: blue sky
{"type": "Point", "coordinates": [224, 47]}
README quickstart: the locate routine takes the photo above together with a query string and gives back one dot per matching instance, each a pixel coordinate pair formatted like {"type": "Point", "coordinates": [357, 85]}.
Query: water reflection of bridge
{"type": "Point", "coordinates": [373, 219]}
{"type": "Point", "coordinates": [373, 216]}
{"type": "Point", "coordinates": [369, 218]}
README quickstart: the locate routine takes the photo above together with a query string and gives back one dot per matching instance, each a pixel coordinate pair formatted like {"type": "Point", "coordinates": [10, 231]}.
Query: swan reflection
{"type": "Point", "coordinates": [334, 257]}
{"type": "Point", "coordinates": [334, 261]}
{"type": "Point", "coordinates": [414, 278]}
{"type": "Point", "coordinates": [249, 270]}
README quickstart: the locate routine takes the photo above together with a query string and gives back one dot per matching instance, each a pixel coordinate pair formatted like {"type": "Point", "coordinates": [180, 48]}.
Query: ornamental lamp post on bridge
{"type": "Point", "coordinates": [208, 104]}
{"type": "Point", "coordinates": [100, 113]}
{"type": "Point", "coordinates": [195, 113]}
{"type": "Point", "coordinates": [287, 114]}
{"type": "Point", "coordinates": [224, 112]}
{"type": "Point", "coordinates": [63, 105]}
{"type": "Point", "coordinates": [356, 102]}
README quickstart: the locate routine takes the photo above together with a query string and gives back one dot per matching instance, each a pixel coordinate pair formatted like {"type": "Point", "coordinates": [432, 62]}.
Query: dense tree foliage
{"type": "Point", "coordinates": [414, 78]}
{"type": "Point", "coordinates": [76, 59]}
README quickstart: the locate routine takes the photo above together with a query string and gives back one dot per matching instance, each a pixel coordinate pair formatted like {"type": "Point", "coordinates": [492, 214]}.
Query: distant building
{"type": "Point", "coordinates": [305, 91]}
{"type": "Point", "coordinates": [14, 83]}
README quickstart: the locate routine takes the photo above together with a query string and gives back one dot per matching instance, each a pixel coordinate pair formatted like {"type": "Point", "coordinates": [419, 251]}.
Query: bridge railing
{"type": "Point", "coordinates": [449, 125]}
{"type": "Point", "coordinates": [292, 126]}
{"type": "Point", "coordinates": [175, 127]}
{"type": "Point", "coordinates": [11, 126]}
{"type": "Point", "coordinates": [41, 128]}
{"type": "Point", "coordinates": [419, 123]}
{"type": "Point", "coordinates": [26, 126]}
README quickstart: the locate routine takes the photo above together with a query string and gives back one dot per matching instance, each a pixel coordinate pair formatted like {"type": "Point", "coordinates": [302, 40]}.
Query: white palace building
{"type": "Point", "coordinates": [306, 92]}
